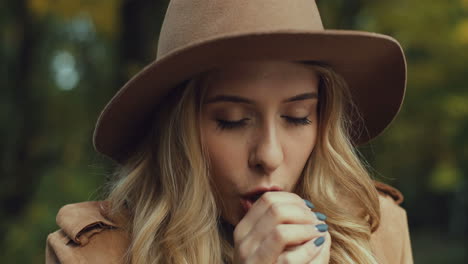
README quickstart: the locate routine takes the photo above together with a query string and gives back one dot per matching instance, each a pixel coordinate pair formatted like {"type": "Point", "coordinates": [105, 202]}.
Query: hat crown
{"type": "Point", "coordinates": [190, 21]}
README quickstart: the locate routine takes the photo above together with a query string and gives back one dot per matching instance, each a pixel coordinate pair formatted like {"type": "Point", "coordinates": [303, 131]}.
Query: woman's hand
{"type": "Point", "coordinates": [280, 228]}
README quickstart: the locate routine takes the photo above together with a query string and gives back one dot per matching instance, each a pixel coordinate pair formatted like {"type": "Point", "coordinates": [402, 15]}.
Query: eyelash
{"type": "Point", "coordinates": [224, 124]}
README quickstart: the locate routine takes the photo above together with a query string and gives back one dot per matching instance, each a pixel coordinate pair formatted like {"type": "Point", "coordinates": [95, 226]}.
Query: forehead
{"type": "Point", "coordinates": [261, 78]}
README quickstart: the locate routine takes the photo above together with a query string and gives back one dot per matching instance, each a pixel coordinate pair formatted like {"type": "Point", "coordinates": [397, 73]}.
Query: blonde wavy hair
{"type": "Point", "coordinates": [166, 197]}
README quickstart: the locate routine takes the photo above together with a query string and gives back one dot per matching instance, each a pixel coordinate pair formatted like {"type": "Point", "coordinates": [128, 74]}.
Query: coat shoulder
{"type": "Point", "coordinates": [387, 190]}
{"type": "Point", "coordinates": [391, 241]}
{"type": "Point", "coordinates": [86, 235]}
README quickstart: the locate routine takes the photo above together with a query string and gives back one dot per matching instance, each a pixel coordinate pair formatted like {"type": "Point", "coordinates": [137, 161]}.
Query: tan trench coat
{"type": "Point", "coordinates": [87, 235]}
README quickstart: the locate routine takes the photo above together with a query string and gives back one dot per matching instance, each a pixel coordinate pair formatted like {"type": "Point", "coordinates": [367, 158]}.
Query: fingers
{"type": "Point", "coordinates": [279, 225]}
{"type": "Point", "coordinates": [309, 252]}
{"type": "Point", "coordinates": [260, 207]}
{"type": "Point", "coordinates": [283, 236]}
{"type": "Point", "coordinates": [266, 244]}
{"type": "Point", "coordinates": [280, 214]}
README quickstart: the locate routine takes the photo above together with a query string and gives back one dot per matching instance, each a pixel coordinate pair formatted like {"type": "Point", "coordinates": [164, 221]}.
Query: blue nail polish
{"type": "Point", "coordinates": [309, 204]}
{"type": "Point", "coordinates": [319, 241]}
{"type": "Point", "coordinates": [320, 216]}
{"type": "Point", "coordinates": [322, 227]}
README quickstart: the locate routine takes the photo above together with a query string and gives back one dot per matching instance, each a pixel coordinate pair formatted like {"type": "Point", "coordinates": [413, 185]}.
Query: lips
{"type": "Point", "coordinates": [251, 197]}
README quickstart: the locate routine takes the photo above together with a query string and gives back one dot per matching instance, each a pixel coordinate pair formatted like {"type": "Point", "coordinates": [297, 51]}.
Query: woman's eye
{"type": "Point", "coordinates": [225, 124]}
{"type": "Point", "coordinates": [298, 121]}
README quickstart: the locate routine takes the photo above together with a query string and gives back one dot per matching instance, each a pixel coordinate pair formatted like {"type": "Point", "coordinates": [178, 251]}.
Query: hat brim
{"type": "Point", "coordinates": [373, 65]}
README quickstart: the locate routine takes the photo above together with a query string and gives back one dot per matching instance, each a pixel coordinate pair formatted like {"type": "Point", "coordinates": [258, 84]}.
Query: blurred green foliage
{"type": "Point", "coordinates": [63, 60]}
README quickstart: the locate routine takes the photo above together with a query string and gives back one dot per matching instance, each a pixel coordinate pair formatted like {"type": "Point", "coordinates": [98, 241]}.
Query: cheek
{"type": "Point", "coordinates": [307, 140]}
{"type": "Point", "coordinates": [226, 154]}
{"type": "Point", "coordinates": [298, 147]}
{"type": "Point", "coordinates": [227, 160]}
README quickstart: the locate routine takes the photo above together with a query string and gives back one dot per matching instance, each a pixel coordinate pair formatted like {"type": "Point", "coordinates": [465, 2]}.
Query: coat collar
{"type": "Point", "coordinates": [80, 221]}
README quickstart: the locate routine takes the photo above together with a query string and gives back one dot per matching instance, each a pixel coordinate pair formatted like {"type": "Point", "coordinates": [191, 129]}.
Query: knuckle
{"type": "Point", "coordinates": [297, 197]}
{"type": "Point", "coordinates": [311, 251]}
{"type": "Point", "coordinates": [236, 234]}
{"type": "Point", "coordinates": [267, 198]}
{"type": "Point", "coordinates": [275, 211]}
{"type": "Point", "coordinates": [243, 252]}
{"type": "Point", "coordinates": [278, 235]}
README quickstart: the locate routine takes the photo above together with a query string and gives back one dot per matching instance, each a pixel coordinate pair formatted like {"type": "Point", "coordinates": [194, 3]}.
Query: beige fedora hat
{"type": "Point", "coordinates": [198, 35]}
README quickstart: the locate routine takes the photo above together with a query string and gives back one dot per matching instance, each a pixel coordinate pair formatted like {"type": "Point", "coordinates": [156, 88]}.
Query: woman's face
{"type": "Point", "coordinates": [259, 126]}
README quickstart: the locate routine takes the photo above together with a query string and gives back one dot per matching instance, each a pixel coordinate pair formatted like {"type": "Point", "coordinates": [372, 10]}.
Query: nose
{"type": "Point", "coordinates": [267, 153]}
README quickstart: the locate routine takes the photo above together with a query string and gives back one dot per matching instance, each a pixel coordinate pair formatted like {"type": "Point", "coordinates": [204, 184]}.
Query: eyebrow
{"type": "Point", "coordinates": [239, 99]}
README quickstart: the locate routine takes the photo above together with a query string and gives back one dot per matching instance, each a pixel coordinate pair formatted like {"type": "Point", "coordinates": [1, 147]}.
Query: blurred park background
{"type": "Point", "coordinates": [62, 60]}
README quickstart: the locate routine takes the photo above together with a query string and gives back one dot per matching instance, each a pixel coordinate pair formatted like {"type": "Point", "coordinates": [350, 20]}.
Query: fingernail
{"type": "Point", "coordinates": [309, 204]}
{"type": "Point", "coordinates": [320, 216]}
{"type": "Point", "coordinates": [319, 241]}
{"type": "Point", "coordinates": [322, 227]}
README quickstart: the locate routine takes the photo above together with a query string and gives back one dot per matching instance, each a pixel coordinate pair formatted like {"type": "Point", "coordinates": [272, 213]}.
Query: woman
{"type": "Point", "coordinates": [237, 145]}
